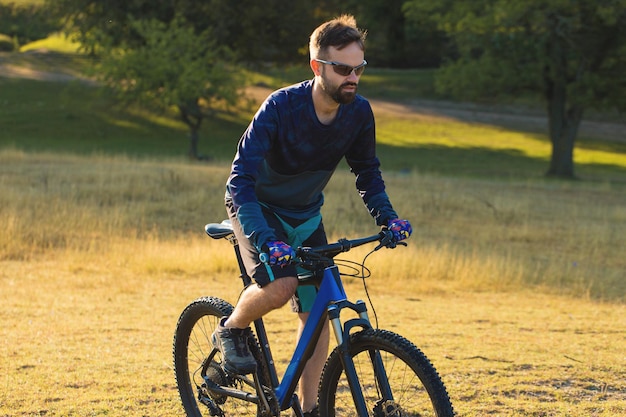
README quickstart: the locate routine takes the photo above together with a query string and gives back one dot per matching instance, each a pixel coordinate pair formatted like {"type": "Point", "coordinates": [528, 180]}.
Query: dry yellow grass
{"type": "Point", "coordinates": [88, 337]}
{"type": "Point", "coordinates": [514, 290]}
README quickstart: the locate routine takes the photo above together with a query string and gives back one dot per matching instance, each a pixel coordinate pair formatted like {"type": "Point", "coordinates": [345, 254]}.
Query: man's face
{"type": "Point", "coordinates": [342, 89]}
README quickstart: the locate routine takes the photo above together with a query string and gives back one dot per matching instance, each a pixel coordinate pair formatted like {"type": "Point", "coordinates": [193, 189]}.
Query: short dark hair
{"type": "Point", "coordinates": [339, 33]}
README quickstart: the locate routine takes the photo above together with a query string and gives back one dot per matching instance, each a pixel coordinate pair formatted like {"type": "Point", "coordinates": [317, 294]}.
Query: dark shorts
{"type": "Point", "coordinates": [258, 271]}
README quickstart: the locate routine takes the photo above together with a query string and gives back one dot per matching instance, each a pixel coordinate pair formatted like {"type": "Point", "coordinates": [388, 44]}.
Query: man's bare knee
{"type": "Point", "coordinates": [280, 291]}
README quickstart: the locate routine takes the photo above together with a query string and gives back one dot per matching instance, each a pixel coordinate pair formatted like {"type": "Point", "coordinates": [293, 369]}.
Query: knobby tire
{"type": "Point", "coordinates": [192, 346]}
{"type": "Point", "coordinates": [415, 384]}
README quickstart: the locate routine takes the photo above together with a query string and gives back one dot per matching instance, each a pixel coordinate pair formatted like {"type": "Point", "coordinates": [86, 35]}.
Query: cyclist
{"type": "Point", "coordinates": [274, 195]}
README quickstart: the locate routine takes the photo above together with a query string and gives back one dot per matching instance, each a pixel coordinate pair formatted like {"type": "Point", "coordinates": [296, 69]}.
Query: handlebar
{"type": "Point", "coordinates": [309, 256]}
{"type": "Point", "coordinates": [384, 237]}
{"type": "Point", "coordinates": [312, 256]}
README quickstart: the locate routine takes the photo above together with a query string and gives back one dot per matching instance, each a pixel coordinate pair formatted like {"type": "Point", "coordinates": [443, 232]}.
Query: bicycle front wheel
{"type": "Point", "coordinates": [194, 369]}
{"type": "Point", "coordinates": [409, 385]}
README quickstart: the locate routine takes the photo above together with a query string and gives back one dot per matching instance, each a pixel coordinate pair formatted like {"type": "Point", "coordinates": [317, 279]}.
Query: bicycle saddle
{"type": "Point", "coordinates": [219, 230]}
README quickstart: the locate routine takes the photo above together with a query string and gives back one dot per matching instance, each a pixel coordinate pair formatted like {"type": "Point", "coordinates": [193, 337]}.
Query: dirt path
{"type": "Point", "coordinates": [507, 117]}
{"type": "Point", "coordinates": [16, 71]}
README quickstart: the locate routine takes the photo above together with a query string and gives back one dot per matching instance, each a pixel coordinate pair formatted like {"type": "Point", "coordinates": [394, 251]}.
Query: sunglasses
{"type": "Point", "coordinates": [343, 69]}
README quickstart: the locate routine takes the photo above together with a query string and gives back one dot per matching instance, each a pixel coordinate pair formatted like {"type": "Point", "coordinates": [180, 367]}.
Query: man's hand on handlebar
{"type": "Point", "coordinates": [395, 231]}
{"type": "Point", "coordinates": [401, 229]}
{"type": "Point", "coordinates": [277, 253]}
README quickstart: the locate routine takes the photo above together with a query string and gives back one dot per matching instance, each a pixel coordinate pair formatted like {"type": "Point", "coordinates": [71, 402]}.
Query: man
{"type": "Point", "coordinates": [284, 160]}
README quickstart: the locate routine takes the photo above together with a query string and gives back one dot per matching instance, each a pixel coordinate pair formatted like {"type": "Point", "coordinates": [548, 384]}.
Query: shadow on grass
{"type": "Point", "coordinates": [483, 162]}
{"type": "Point", "coordinates": [73, 117]}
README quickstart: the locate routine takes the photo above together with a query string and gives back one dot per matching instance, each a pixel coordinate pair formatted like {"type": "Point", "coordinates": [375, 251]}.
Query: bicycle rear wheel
{"type": "Point", "coordinates": [192, 347]}
{"type": "Point", "coordinates": [416, 388]}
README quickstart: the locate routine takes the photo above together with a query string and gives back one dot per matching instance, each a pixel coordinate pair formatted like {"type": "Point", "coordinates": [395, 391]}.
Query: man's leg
{"type": "Point", "coordinates": [231, 336]}
{"type": "Point", "coordinates": [310, 379]}
{"type": "Point", "coordinates": [257, 301]}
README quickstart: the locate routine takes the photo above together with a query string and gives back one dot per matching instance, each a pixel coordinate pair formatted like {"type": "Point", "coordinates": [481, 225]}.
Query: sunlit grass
{"type": "Point", "coordinates": [441, 144]}
{"type": "Point", "coordinates": [599, 157]}
{"type": "Point", "coordinates": [56, 42]}
{"type": "Point", "coordinates": [474, 234]}
{"type": "Point", "coordinates": [22, 2]}
{"type": "Point", "coordinates": [413, 132]}
{"type": "Point", "coordinates": [514, 289]}
{"type": "Point", "coordinates": [101, 330]}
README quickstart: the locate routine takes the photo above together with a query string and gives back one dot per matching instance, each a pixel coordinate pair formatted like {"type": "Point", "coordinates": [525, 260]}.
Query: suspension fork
{"type": "Point", "coordinates": [342, 334]}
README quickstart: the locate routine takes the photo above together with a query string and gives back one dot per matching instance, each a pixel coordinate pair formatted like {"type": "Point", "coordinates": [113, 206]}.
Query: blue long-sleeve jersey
{"type": "Point", "coordinates": [286, 157]}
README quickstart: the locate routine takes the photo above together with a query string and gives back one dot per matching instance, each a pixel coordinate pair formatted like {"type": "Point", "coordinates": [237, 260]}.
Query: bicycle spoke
{"type": "Point", "coordinates": [415, 387]}
{"type": "Point", "coordinates": [194, 371]}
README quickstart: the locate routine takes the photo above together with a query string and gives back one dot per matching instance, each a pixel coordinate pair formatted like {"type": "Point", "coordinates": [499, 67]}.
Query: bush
{"type": "Point", "coordinates": [26, 22]}
{"type": "Point", "coordinates": [6, 43]}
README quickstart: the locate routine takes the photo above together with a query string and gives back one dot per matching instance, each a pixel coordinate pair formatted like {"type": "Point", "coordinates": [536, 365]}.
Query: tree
{"type": "Point", "coordinates": [267, 31]}
{"type": "Point", "coordinates": [183, 52]}
{"type": "Point", "coordinates": [573, 53]}
{"type": "Point", "coordinates": [173, 66]}
{"type": "Point", "coordinates": [392, 41]}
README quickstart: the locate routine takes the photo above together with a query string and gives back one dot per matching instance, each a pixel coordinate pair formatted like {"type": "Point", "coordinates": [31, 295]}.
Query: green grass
{"type": "Point", "coordinates": [452, 147]}
{"type": "Point", "coordinates": [398, 85]}
{"type": "Point", "coordinates": [78, 118]}
{"type": "Point", "coordinates": [387, 84]}
{"type": "Point", "coordinates": [48, 116]}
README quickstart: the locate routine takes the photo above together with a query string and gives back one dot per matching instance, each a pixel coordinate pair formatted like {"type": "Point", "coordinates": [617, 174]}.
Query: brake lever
{"type": "Point", "coordinates": [387, 241]}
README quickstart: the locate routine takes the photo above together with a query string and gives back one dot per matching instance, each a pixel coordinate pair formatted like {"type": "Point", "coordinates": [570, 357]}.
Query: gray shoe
{"type": "Point", "coordinates": [233, 344]}
{"type": "Point", "coordinates": [313, 413]}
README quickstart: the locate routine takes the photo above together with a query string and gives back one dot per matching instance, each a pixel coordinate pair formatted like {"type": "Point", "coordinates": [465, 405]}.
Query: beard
{"type": "Point", "coordinates": [337, 93]}
{"type": "Point", "coordinates": [344, 97]}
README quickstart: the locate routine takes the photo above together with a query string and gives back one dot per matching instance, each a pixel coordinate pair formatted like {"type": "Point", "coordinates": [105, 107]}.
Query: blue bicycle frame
{"type": "Point", "coordinates": [330, 300]}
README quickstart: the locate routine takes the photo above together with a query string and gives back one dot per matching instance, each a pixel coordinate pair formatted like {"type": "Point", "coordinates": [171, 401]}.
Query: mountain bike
{"type": "Point", "coordinates": [371, 372]}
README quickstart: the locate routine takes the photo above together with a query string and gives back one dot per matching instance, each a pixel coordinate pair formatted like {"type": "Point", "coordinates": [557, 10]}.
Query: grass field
{"type": "Point", "coordinates": [513, 285]}
{"type": "Point", "coordinates": [514, 290]}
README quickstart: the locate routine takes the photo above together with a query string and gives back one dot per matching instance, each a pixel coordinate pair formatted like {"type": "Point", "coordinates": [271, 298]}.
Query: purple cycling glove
{"type": "Point", "coordinates": [401, 229]}
{"type": "Point", "coordinates": [280, 253]}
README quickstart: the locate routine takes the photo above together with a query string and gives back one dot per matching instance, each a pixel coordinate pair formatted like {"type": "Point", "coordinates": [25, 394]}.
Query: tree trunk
{"type": "Point", "coordinates": [563, 122]}
{"type": "Point", "coordinates": [563, 126]}
{"type": "Point", "coordinates": [563, 131]}
{"type": "Point", "coordinates": [193, 143]}
{"type": "Point", "coordinates": [191, 114]}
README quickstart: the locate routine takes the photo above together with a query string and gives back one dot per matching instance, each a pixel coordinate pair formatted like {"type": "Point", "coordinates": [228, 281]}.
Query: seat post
{"type": "Point", "coordinates": [242, 269]}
